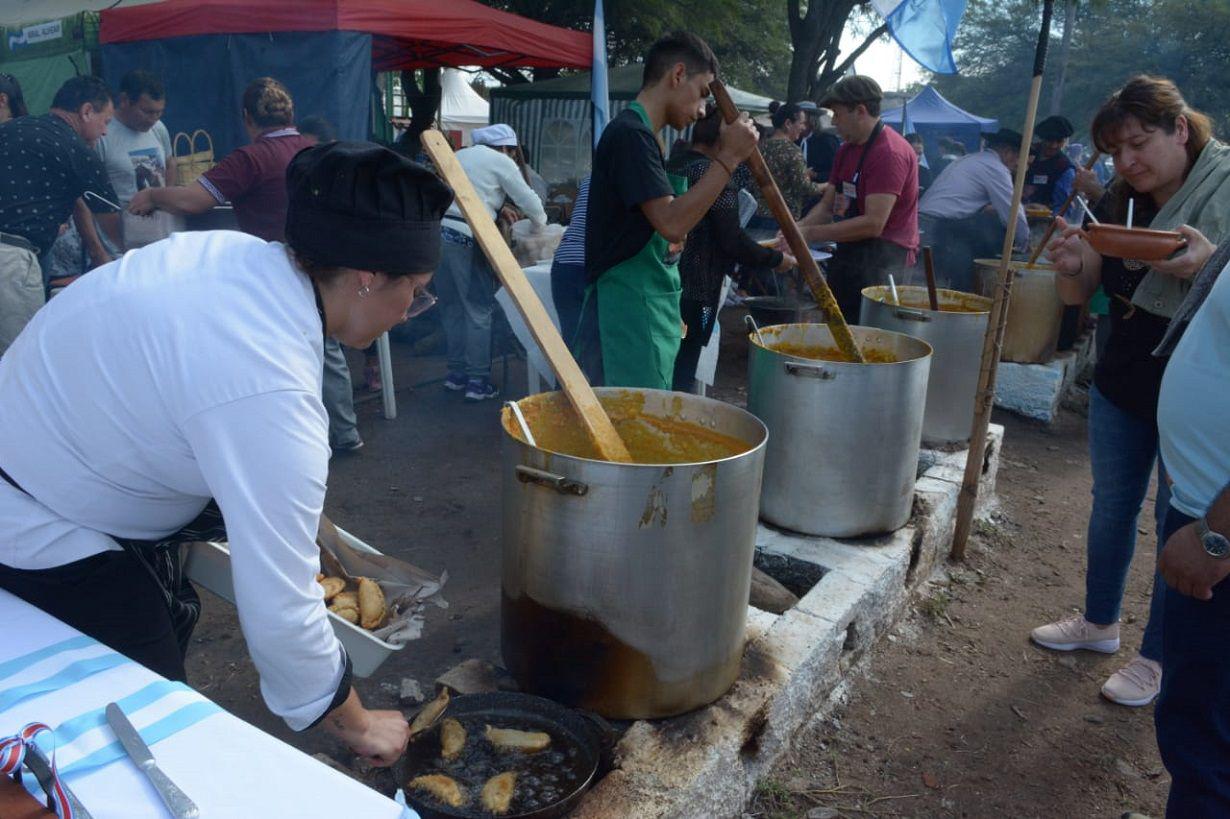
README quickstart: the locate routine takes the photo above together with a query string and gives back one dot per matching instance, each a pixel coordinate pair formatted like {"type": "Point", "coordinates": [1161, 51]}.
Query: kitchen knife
{"type": "Point", "coordinates": [177, 801]}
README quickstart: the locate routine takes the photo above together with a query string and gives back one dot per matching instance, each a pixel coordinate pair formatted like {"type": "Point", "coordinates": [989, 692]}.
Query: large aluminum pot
{"type": "Point", "coordinates": [844, 438]}
{"type": "Point", "coordinates": [1034, 314]}
{"type": "Point", "coordinates": [625, 586]}
{"type": "Point", "coordinates": [955, 332]}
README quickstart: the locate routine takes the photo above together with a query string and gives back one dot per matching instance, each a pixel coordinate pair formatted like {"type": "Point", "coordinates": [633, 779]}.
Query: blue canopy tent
{"type": "Point", "coordinates": [933, 117]}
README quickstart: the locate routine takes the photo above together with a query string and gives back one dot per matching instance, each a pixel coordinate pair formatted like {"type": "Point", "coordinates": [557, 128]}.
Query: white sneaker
{"type": "Point", "coordinates": [1136, 684]}
{"type": "Point", "coordinates": [1075, 633]}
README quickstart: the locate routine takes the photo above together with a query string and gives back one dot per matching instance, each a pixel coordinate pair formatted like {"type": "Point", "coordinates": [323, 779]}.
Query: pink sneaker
{"type": "Point", "coordinates": [1077, 633]}
{"type": "Point", "coordinates": [1136, 684]}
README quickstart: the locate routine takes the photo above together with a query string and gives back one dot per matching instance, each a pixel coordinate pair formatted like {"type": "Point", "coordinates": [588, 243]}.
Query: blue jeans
{"type": "Point", "coordinates": [568, 283]}
{"type": "Point", "coordinates": [1122, 449]}
{"type": "Point", "coordinates": [338, 397]}
{"type": "Point", "coordinates": [1192, 716]}
{"type": "Point", "coordinates": [466, 287]}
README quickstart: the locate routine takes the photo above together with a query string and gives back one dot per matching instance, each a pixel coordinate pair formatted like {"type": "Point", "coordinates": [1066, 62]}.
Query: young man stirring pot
{"type": "Point", "coordinates": [630, 325]}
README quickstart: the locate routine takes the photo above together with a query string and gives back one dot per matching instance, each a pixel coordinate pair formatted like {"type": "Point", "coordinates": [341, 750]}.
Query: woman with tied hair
{"type": "Point", "coordinates": [1176, 177]}
{"type": "Point", "coordinates": [12, 101]}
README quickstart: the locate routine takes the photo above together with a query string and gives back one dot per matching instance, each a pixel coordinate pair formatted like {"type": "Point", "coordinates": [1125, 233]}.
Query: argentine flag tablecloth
{"type": "Point", "coordinates": [51, 673]}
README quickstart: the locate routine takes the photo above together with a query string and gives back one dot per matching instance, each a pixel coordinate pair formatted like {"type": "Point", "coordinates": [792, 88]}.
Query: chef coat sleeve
{"type": "Point", "coordinates": [265, 459]}
{"type": "Point", "coordinates": [520, 193]}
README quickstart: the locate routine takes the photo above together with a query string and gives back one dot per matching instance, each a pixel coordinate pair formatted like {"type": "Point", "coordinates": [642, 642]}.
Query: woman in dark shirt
{"type": "Point", "coordinates": [713, 249]}
{"type": "Point", "coordinates": [1155, 140]}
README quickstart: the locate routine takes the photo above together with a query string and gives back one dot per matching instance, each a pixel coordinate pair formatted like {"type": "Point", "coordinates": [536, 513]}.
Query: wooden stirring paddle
{"type": "Point", "coordinates": [593, 417]}
{"type": "Point", "coordinates": [929, 267]}
{"type": "Point", "coordinates": [794, 237]}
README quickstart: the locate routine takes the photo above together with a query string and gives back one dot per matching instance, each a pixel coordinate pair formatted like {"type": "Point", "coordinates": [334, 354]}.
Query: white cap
{"type": "Point", "coordinates": [497, 136]}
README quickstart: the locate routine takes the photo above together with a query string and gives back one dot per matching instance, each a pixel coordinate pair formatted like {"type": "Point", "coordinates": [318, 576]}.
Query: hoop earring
{"type": "Point", "coordinates": [364, 290]}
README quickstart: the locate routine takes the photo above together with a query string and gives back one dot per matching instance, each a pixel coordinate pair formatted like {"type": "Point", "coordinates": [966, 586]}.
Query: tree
{"type": "Point", "coordinates": [815, 32]}
{"type": "Point", "coordinates": [749, 37]}
{"type": "Point", "coordinates": [1185, 40]}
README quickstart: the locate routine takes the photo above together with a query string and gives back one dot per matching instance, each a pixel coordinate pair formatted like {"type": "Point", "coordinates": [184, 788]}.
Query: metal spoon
{"type": "Point", "coordinates": [1089, 213]}
{"type": "Point", "coordinates": [892, 285]}
{"type": "Point", "coordinates": [521, 422]}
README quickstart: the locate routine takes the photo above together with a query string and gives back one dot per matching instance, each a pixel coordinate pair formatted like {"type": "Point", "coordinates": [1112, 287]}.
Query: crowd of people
{"type": "Point", "coordinates": [157, 422]}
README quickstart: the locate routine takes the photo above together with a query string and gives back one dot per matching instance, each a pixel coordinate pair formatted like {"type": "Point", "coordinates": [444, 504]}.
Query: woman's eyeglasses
{"type": "Point", "coordinates": [422, 302]}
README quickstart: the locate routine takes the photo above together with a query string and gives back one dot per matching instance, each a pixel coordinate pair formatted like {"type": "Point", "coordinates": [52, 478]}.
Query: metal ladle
{"type": "Point", "coordinates": [751, 322]}
{"type": "Point", "coordinates": [521, 422]}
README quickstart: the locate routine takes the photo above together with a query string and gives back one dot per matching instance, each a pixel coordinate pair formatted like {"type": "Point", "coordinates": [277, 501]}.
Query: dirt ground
{"type": "Point", "coordinates": [958, 714]}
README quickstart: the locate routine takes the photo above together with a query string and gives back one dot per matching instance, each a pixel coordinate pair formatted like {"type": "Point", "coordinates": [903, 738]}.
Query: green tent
{"type": "Point", "coordinates": [553, 117]}
{"type": "Point", "coordinates": [41, 56]}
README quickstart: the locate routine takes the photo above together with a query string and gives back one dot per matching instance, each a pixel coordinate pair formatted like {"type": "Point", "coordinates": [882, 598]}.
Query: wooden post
{"type": "Point", "coordinates": [993, 342]}
{"type": "Point", "coordinates": [794, 237]}
{"type": "Point", "coordinates": [594, 418]}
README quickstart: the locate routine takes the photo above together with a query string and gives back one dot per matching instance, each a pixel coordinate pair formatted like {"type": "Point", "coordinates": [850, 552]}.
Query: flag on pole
{"type": "Point", "coordinates": [599, 97]}
{"type": "Point", "coordinates": [924, 29]}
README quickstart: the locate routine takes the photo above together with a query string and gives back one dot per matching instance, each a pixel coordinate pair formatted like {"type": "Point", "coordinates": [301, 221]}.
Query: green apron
{"type": "Point", "coordinates": [638, 311]}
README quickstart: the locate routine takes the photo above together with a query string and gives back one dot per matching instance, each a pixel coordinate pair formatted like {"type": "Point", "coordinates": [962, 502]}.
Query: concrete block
{"type": "Point", "coordinates": [1036, 390]}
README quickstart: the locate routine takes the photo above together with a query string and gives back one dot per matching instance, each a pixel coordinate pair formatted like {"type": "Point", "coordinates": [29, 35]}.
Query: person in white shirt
{"type": "Point", "coordinates": [966, 211]}
{"type": "Point", "coordinates": [465, 282]}
{"type": "Point", "coordinates": [178, 388]}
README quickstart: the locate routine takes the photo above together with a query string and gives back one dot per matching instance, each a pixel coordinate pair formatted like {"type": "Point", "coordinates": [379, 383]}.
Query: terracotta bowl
{"type": "Point", "coordinates": [1133, 243]}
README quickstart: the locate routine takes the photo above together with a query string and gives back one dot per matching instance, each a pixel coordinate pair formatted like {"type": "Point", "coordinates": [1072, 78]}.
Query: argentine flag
{"type": "Point", "coordinates": [924, 29]}
{"type": "Point", "coordinates": [597, 83]}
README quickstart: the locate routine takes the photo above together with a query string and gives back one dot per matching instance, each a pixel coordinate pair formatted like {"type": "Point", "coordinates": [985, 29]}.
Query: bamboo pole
{"type": "Point", "coordinates": [794, 237]}
{"type": "Point", "coordinates": [994, 340]}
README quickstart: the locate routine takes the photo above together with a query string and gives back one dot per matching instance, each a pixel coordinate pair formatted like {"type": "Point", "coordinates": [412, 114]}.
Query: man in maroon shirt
{"type": "Point", "coordinates": [251, 178]}
{"type": "Point", "coordinates": [871, 206]}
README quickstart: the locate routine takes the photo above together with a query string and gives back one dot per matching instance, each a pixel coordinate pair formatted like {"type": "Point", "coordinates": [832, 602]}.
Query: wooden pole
{"type": "Point", "coordinates": [593, 417]}
{"type": "Point", "coordinates": [794, 237]}
{"type": "Point", "coordinates": [994, 340]}
{"type": "Point", "coordinates": [1067, 203]}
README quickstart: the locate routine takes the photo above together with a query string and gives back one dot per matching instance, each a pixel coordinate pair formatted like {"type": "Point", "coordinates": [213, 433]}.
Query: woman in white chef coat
{"type": "Point", "coordinates": [188, 373]}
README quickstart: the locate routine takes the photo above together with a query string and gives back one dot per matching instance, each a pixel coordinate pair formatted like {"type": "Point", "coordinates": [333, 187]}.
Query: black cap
{"type": "Point", "coordinates": [360, 205]}
{"type": "Point", "coordinates": [851, 91]}
{"type": "Point", "coordinates": [1006, 137]}
{"type": "Point", "coordinates": [1054, 128]}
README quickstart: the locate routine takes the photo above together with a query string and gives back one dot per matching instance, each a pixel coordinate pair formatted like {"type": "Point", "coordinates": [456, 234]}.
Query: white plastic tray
{"type": "Point", "coordinates": [210, 565]}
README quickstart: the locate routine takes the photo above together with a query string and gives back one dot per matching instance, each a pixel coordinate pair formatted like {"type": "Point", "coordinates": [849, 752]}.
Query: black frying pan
{"type": "Point", "coordinates": [580, 745]}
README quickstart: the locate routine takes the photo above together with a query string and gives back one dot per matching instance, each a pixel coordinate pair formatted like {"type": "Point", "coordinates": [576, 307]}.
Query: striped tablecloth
{"type": "Point", "coordinates": [51, 673]}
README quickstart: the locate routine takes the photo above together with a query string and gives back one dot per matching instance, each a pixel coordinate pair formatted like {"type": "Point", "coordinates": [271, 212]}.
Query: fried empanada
{"type": "Point", "coordinates": [346, 600]}
{"type": "Point", "coordinates": [452, 738]}
{"type": "Point", "coordinates": [372, 610]}
{"type": "Point", "coordinates": [443, 788]}
{"type": "Point", "coordinates": [498, 792]}
{"type": "Point", "coordinates": [509, 739]}
{"type": "Point", "coordinates": [333, 586]}
{"type": "Point", "coordinates": [431, 712]}
{"type": "Point", "coordinates": [347, 613]}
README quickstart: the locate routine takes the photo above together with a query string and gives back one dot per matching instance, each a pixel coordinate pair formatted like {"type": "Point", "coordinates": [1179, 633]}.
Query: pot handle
{"type": "Point", "coordinates": [808, 370]}
{"type": "Point", "coordinates": [565, 486]}
{"type": "Point", "coordinates": [906, 314]}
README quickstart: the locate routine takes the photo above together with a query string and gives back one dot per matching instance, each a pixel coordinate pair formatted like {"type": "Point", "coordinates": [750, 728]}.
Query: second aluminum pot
{"type": "Point", "coordinates": [625, 586]}
{"type": "Point", "coordinates": [955, 332]}
{"type": "Point", "coordinates": [843, 438]}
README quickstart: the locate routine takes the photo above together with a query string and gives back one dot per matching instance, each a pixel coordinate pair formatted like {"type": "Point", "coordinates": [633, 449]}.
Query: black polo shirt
{"type": "Point", "coordinates": [44, 168]}
{"type": "Point", "coordinates": [628, 170]}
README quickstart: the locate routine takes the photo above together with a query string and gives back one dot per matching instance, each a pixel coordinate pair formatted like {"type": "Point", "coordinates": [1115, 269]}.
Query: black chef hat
{"type": "Point", "coordinates": [1004, 136]}
{"type": "Point", "coordinates": [360, 205]}
{"type": "Point", "coordinates": [1054, 128]}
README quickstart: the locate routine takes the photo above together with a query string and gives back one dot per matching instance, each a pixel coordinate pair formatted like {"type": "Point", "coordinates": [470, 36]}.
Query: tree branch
{"type": "Point", "coordinates": [508, 76]}
{"type": "Point", "coordinates": [858, 52]}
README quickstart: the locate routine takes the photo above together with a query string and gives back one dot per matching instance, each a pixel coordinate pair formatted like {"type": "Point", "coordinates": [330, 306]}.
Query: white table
{"type": "Point", "coordinates": [226, 766]}
{"type": "Point", "coordinates": [538, 372]}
